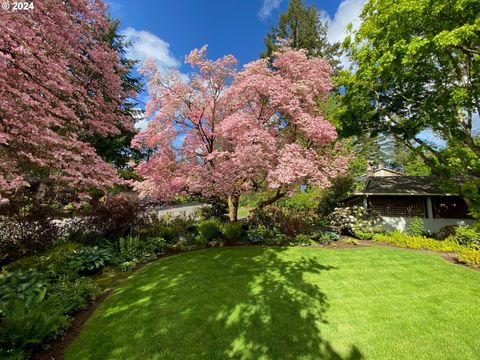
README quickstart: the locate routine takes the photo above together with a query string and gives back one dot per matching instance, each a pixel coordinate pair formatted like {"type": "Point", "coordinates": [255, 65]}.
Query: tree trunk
{"type": "Point", "coordinates": [278, 195]}
{"type": "Point", "coordinates": [232, 207]}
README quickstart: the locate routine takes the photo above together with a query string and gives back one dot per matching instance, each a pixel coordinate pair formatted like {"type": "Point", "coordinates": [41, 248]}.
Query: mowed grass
{"type": "Point", "coordinates": [289, 303]}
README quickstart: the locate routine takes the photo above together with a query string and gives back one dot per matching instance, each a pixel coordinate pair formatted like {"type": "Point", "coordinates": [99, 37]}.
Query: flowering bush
{"type": "Point", "coordinates": [356, 218]}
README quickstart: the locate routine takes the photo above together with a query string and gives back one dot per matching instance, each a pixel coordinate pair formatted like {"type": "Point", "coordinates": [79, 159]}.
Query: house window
{"type": "Point", "coordinates": [398, 206]}
{"type": "Point", "coordinates": [449, 207]}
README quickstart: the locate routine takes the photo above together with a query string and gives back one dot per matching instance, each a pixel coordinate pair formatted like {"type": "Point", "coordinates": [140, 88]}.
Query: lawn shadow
{"type": "Point", "coordinates": [244, 303]}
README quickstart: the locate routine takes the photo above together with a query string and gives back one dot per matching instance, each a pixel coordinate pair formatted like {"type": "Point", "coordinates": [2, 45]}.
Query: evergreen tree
{"type": "Point", "coordinates": [303, 28]}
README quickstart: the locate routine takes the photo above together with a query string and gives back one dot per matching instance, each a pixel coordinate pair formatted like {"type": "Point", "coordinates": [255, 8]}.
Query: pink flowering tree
{"type": "Point", "coordinates": [222, 133]}
{"type": "Point", "coordinates": [59, 85]}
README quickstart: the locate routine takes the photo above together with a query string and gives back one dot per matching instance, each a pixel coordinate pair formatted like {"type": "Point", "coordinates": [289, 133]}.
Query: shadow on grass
{"type": "Point", "coordinates": [248, 303]}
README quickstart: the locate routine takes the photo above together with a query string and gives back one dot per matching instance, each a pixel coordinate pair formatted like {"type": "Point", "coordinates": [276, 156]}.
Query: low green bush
{"type": "Point", "coordinates": [73, 295]}
{"type": "Point", "coordinates": [208, 231]}
{"type": "Point", "coordinates": [89, 259]}
{"type": "Point", "coordinates": [416, 226]}
{"type": "Point", "coordinates": [53, 261]}
{"type": "Point", "coordinates": [232, 231]}
{"type": "Point", "coordinates": [364, 235]}
{"type": "Point", "coordinates": [28, 315]}
{"type": "Point", "coordinates": [417, 242]}
{"type": "Point", "coordinates": [325, 237]}
{"type": "Point", "coordinates": [303, 239]}
{"type": "Point", "coordinates": [468, 236]}
{"type": "Point", "coordinates": [469, 257]}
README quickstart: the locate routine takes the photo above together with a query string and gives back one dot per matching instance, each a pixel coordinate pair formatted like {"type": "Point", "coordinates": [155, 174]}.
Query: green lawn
{"type": "Point", "coordinates": [289, 303]}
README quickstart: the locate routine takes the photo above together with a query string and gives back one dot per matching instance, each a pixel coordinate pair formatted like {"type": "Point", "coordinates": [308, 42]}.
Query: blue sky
{"type": "Point", "coordinates": [168, 29]}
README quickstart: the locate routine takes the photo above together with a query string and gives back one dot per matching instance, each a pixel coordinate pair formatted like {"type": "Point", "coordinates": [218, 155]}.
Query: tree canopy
{"type": "Point", "coordinates": [224, 133]}
{"type": "Point", "coordinates": [415, 67]}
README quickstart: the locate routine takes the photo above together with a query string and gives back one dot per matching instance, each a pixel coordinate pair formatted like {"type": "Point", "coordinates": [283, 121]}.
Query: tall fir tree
{"type": "Point", "coordinates": [303, 28]}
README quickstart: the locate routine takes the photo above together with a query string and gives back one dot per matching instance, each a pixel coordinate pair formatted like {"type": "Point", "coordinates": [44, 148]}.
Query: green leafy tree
{"type": "Point", "coordinates": [415, 67]}
{"type": "Point", "coordinates": [303, 28]}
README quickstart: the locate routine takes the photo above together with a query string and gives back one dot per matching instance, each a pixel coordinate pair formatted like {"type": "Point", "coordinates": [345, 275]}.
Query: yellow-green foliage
{"type": "Point", "coordinates": [417, 242]}
{"type": "Point", "coordinates": [50, 260]}
{"type": "Point", "coordinates": [470, 257]}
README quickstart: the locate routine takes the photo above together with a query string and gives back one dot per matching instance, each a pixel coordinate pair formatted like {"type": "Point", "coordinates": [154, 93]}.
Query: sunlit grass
{"type": "Point", "coordinates": [291, 303]}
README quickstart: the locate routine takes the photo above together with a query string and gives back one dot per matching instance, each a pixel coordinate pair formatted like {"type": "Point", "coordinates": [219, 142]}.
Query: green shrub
{"type": "Point", "coordinates": [127, 265]}
{"type": "Point", "coordinates": [71, 296]}
{"type": "Point", "coordinates": [53, 261]}
{"type": "Point", "coordinates": [208, 231]}
{"type": "Point", "coordinates": [302, 239]}
{"type": "Point", "coordinates": [167, 227]}
{"type": "Point", "coordinates": [364, 235]}
{"type": "Point", "coordinates": [416, 226]}
{"type": "Point", "coordinates": [417, 242]}
{"type": "Point", "coordinates": [468, 236]}
{"type": "Point", "coordinates": [153, 245]}
{"type": "Point", "coordinates": [89, 259]}
{"type": "Point", "coordinates": [351, 241]}
{"type": "Point", "coordinates": [351, 219]}
{"type": "Point", "coordinates": [256, 234]}
{"type": "Point", "coordinates": [28, 322]}
{"type": "Point", "coordinates": [287, 221]}
{"type": "Point", "coordinates": [325, 237]}
{"type": "Point", "coordinates": [470, 257]}
{"type": "Point", "coordinates": [232, 231]}
{"type": "Point", "coordinates": [24, 284]}
{"type": "Point", "coordinates": [28, 316]}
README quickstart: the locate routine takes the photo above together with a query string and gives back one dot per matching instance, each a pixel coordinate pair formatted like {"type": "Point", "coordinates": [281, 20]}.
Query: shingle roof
{"type": "Point", "coordinates": [403, 185]}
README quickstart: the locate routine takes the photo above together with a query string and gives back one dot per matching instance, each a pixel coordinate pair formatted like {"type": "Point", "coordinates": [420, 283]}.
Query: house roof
{"type": "Point", "coordinates": [402, 185]}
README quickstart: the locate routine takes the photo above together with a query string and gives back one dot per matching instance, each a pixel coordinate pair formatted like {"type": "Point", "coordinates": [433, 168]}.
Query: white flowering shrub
{"type": "Point", "coordinates": [350, 220]}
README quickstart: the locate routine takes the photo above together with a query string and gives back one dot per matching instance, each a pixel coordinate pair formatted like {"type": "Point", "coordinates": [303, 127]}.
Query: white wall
{"type": "Point", "coordinates": [402, 223]}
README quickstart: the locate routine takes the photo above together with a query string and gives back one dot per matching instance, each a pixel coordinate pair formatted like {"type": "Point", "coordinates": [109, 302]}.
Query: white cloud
{"type": "Point", "coordinates": [267, 7]}
{"type": "Point", "coordinates": [348, 12]}
{"type": "Point", "coordinates": [146, 45]}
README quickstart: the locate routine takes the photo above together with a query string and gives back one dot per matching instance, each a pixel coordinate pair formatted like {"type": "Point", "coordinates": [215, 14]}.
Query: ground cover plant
{"type": "Point", "coordinates": [289, 303]}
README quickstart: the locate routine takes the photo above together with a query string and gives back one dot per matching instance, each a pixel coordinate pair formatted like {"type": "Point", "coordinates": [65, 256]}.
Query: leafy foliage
{"type": "Point", "coordinates": [416, 69]}
{"type": "Point", "coordinates": [89, 259]}
{"type": "Point", "coordinates": [468, 236]}
{"type": "Point", "coordinates": [302, 28]}
{"type": "Point", "coordinates": [232, 231]}
{"type": "Point", "coordinates": [417, 242]}
{"type": "Point", "coordinates": [73, 295]}
{"type": "Point", "coordinates": [351, 219]}
{"type": "Point", "coordinates": [208, 231]}
{"type": "Point", "coordinates": [416, 226]}
{"type": "Point", "coordinates": [470, 257]}
{"type": "Point", "coordinates": [115, 215]}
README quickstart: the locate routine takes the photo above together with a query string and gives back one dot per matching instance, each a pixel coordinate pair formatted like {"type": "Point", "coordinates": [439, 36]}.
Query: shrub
{"type": "Point", "coordinates": [303, 200]}
{"type": "Point", "coordinates": [470, 257]}
{"type": "Point", "coordinates": [351, 241]}
{"type": "Point", "coordinates": [167, 227]}
{"type": "Point", "coordinates": [28, 316]}
{"type": "Point", "coordinates": [364, 235]}
{"type": "Point", "coordinates": [208, 231]}
{"type": "Point", "coordinates": [303, 239]}
{"type": "Point", "coordinates": [325, 237]}
{"type": "Point", "coordinates": [115, 215]}
{"type": "Point", "coordinates": [25, 284]}
{"type": "Point", "coordinates": [52, 262]}
{"type": "Point", "coordinates": [256, 234]}
{"type": "Point", "coordinates": [71, 296]}
{"type": "Point", "coordinates": [417, 242]}
{"type": "Point", "coordinates": [27, 226]}
{"type": "Point", "coordinates": [446, 231]}
{"type": "Point", "coordinates": [27, 322]}
{"type": "Point", "coordinates": [351, 219]}
{"type": "Point", "coordinates": [232, 231]}
{"type": "Point", "coordinates": [127, 265]}
{"type": "Point", "coordinates": [468, 236]}
{"type": "Point", "coordinates": [416, 226]}
{"type": "Point", "coordinates": [89, 259]}
{"type": "Point", "coordinates": [287, 221]}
